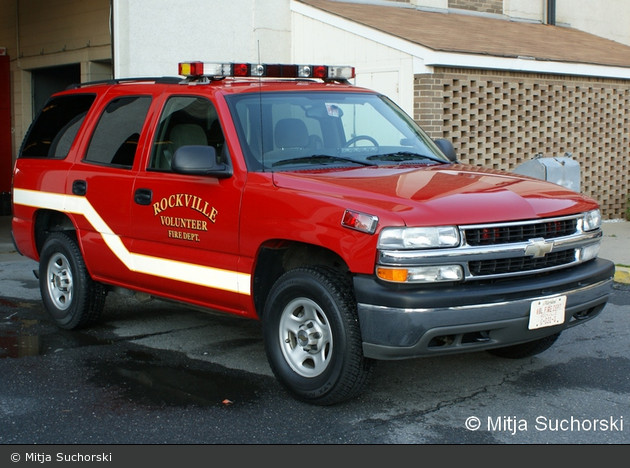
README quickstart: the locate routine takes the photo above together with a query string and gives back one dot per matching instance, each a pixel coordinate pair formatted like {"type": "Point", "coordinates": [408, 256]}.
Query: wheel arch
{"type": "Point", "coordinates": [47, 222]}
{"type": "Point", "coordinates": [279, 256]}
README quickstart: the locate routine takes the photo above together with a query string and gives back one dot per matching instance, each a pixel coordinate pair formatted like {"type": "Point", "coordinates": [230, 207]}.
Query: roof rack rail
{"type": "Point", "coordinates": [161, 79]}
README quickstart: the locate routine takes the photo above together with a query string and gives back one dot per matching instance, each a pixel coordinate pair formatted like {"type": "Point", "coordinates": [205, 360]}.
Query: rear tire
{"type": "Point", "coordinates": [71, 298]}
{"type": "Point", "coordinates": [525, 350]}
{"type": "Point", "coordinates": [312, 336]}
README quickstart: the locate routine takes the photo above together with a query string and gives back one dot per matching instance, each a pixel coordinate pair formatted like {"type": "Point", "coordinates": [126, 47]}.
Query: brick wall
{"type": "Point", "coordinates": [485, 6]}
{"type": "Point", "coordinates": [503, 119]}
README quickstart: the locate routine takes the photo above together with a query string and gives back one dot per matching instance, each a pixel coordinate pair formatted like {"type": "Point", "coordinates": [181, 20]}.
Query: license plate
{"type": "Point", "coordinates": [547, 312]}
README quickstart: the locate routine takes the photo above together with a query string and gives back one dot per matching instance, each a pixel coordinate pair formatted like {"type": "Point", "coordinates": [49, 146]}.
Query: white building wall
{"type": "Point", "coordinates": [532, 10]}
{"type": "Point", "coordinates": [430, 4]}
{"type": "Point", "coordinates": [609, 18]}
{"type": "Point", "coordinates": [152, 36]}
{"type": "Point", "coordinates": [378, 66]}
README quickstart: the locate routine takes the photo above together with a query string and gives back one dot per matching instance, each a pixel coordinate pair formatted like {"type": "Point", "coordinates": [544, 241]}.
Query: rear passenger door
{"type": "Point", "coordinates": [185, 227]}
{"type": "Point", "coordinates": [102, 185]}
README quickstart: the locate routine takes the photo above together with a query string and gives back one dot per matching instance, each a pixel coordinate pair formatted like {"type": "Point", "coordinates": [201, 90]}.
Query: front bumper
{"type": "Point", "coordinates": [406, 323]}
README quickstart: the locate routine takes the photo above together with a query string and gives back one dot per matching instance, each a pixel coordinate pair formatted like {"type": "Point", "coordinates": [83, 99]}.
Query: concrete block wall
{"type": "Point", "coordinates": [484, 6]}
{"type": "Point", "coordinates": [503, 119]}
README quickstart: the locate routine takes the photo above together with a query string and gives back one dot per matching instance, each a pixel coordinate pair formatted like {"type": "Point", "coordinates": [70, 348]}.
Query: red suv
{"type": "Point", "coordinates": [285, 194]}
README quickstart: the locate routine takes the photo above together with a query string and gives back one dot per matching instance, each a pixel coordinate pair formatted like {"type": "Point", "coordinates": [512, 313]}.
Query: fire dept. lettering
{"type": "Point", "coordinates": [189, 236]}
{"type": "Point", "coordinates": [184, 200]}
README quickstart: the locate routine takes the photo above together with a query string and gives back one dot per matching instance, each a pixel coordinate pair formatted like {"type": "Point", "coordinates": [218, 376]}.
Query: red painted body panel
{"type": "Point", "coordinates": [430, 196]}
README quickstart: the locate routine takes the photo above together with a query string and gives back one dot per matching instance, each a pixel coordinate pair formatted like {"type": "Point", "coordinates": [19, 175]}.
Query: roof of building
{"type": "Point", "coordinates": [482, 35]}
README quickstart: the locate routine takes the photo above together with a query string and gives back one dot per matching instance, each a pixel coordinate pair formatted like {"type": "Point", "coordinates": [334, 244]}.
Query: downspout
{"type": "Point", "coordinates": [551, 12]}
{"type": "Point", "coordinates": [111, 35]}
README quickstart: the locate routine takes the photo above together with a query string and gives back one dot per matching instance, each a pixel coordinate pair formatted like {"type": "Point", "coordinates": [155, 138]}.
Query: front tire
{"type": "Point", "coordinates": [312, 336]}
{"type": "Point", "coordinates": [71, 298]}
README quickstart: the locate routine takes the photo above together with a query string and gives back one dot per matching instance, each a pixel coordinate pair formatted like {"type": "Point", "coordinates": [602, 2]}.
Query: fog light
{"type": "Point", "coordinates": [589, 252]}
{"type": "Point", "coordinates": [428, 274]}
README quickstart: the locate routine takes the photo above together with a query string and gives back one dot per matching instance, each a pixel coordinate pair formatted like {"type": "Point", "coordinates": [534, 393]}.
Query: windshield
{"type": "Point", "coordinates": [287, 131]}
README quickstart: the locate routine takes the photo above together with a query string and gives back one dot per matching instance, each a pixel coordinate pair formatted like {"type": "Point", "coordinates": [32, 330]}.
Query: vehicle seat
{"type": "Point", "coordinates": [291, 133]}
{"type": "Point", "coordinates": [188, 134]}
{"type": "Point", "coordinates": [183, 135]}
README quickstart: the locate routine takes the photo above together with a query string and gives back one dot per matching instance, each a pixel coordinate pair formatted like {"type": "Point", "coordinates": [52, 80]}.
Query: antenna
{"type": "Point", "coordinates": [262, 132]}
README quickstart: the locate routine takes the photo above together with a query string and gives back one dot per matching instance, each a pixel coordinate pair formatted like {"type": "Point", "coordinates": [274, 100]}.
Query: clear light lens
{"type": "Point", "coordinates": [589, 252]}
{"type": "Point", "coordinates": [258, 70]}
{"type": "Point", "coordinates": [344, 73]}
{"type": "Point", "coordinates": [304, 71]}
{"type": "Point", "coordinates": [428, 274]}
{"type": "Point", "coordinates": [213, 69]}
{"type": "Point", "coordinates": [419, 238]}
{"type": "Point", "coordinates": [592, 220]}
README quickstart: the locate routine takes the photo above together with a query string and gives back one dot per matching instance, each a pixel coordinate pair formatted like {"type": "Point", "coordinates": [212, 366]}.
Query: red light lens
{"type": "Point", "coordinates": [320, 71]}
{"type": "Point", "coordinates": [240, 69]}
{"type": "Point", "coordinates": [289, 71]}
{"type": "Point", "coordinates": [359, 221]}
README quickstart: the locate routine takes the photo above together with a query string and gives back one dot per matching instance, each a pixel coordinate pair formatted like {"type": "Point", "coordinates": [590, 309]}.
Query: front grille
{"type": "Point", "coordinates": [493, 235]}
{"type": "Point", "coordinates": [520, 264]}
{"type": "Point", "coordinates": [508, 250]}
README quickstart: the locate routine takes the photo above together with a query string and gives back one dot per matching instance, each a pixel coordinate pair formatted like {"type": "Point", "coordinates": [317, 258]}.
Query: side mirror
{"type": "Point", "coordinates": [199, 160]}
{"type": "Point", "coordinates": [447, 148]}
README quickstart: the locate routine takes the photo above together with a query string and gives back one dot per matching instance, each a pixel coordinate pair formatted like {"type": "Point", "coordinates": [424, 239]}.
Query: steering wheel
{"type": "Point", "coordinates": [361, 137]}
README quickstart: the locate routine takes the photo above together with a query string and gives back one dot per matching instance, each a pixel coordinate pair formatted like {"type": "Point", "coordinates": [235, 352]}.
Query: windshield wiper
{"type": "Point", "coordinates": [405, 156]}
{"type": "Point", "coordinates": [319, 158]}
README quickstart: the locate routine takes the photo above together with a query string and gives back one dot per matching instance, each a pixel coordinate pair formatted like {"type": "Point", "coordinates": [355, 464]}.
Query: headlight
{"type": "Point", "coordinates": [418, 238]}
{"type": "Point", "coordinates": [592, 220]}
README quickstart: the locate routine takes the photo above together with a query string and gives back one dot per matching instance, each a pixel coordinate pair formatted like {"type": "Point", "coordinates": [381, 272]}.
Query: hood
{"type": "Point", "coordinates": [439, 195]}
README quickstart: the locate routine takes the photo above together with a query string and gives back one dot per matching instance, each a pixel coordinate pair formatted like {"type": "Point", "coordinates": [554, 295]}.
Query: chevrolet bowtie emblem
{"type": "Point", "coordinates": [538, 247]}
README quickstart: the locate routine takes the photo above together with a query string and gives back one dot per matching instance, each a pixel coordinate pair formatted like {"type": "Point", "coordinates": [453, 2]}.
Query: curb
{"type": "Point", "coordinates": [622, 275]}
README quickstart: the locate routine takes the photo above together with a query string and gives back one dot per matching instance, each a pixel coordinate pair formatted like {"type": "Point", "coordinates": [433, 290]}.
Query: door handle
{"type": "Point", "coordinates": [79, 187]}
{"type": "Point", "coordinates": [143, 196]}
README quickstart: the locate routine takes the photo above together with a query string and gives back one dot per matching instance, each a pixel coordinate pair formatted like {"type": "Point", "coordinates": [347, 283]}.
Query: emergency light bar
{"type": "Point", "coordinates": [261, 70]}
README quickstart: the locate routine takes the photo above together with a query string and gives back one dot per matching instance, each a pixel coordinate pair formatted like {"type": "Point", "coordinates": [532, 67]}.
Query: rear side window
{"type": "Point", "coordinates": [117, 133]}
{"type": "Point", "coordinates": [52, 133]}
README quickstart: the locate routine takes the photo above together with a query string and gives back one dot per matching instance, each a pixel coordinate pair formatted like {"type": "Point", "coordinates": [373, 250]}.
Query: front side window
{"type": "Point", "coordinates": [186, 120]}
{"type": "Point", "coordinates": [285, 131]}
{"type": "Point", "coordinates": [117, 133]}
{"type": "Point", "coordinates": [52, 133]}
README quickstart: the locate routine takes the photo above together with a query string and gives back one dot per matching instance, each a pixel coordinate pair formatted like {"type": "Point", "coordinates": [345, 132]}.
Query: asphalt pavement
{"type": "Point", "coordinates": [615, 245]}
{"type": "Point", "coordinates": [155, 373]}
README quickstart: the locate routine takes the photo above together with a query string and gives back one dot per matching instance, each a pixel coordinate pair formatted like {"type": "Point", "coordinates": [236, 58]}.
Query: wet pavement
{"type": "Point", "coordinates": [129, 381]}
{"type": "Point", "coordinates": [159, 373]}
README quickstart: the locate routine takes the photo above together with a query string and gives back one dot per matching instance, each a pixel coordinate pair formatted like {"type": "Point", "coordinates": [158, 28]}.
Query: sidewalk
{"type": "Point", "coordinates": [615, 245]}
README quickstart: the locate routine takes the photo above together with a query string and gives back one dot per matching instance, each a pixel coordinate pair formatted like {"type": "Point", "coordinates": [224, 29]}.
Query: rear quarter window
{"type": "Point", "coordinates": [55, 128]}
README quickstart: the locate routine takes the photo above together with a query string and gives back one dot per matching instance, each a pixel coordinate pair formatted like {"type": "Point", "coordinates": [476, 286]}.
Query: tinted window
{"type": "Point", "coordinates": [281, 131]}
{"type": "Point", "coordinates": [186, 120]}
{"type": "Point", "coordinates": [52, 133]}
{"type": "Point", "coordinates": [116, 135]}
